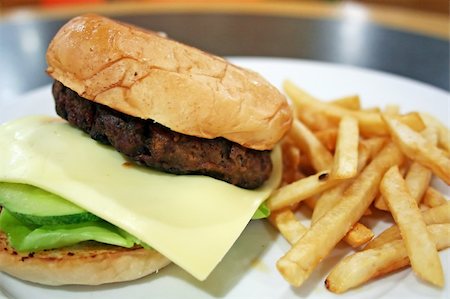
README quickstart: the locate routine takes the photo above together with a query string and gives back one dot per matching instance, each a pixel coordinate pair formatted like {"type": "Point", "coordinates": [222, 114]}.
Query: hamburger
{"type": "Point", "coordinates": [165, 154]}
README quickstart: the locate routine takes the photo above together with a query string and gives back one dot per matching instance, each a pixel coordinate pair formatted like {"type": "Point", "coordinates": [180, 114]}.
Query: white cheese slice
{"type": "Point", "coordinates": [192, 220]}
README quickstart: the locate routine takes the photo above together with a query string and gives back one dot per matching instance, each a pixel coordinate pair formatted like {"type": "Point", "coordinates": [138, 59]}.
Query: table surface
{"type": "Point", "coordinates": [407, 43]}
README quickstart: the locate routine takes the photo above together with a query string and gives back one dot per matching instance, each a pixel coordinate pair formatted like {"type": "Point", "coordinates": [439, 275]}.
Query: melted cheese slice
{"type": "Point", "coordinates": [192, 220]}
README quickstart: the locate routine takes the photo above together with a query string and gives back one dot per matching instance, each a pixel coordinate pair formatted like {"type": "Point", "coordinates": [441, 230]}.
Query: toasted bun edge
{"type": "Point", "coordinates": [84, 264]}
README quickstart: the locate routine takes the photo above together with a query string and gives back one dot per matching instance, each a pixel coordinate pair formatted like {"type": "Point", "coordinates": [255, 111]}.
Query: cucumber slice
{"type": "Point", "coordinates": [35, 206]}
{"type": "Point", "coordinates": [33, 220]}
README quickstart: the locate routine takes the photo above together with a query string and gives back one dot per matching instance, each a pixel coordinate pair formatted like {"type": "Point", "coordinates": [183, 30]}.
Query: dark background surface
{"type": "Point", "coordinates": [420, 57]}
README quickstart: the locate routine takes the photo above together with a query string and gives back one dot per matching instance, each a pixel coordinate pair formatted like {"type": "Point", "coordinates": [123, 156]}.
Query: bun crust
{"type": "Point", "coordinates": [86, 264]}
{"type": "Point", "coordinates": [145, 75]}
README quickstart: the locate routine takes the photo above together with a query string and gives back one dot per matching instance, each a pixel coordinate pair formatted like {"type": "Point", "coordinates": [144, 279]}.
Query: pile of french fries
{"type": "Point", "coordinates": [343, 162]}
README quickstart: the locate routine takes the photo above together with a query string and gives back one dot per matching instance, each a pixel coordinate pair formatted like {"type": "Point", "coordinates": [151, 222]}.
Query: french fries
{"type": "Point", "coordinates": [440, 214]}
{"type": "Point", "coordinates": [370, 123]}
{"type": "Point", "coordinates": [346, 156]}
{"type": "Point", "coordinates": [433, 198]}
{"type": "Point", "coordinates": [418, 177]}
{"type": "Point", "coordinates": [321, 159]}
{"type": "Point", "coordinates": [443, 131]}
{"type": "Point", "coordinates": [362, 266]}
{"type": "Point", "coordinates": [288, 225]}
{"type": "Point", "coordinates": [374, 144]}
{"type": "Point", "coordinates": [417, 148]}
{"type": "Point", "coordinates": [328, 138]}
{"type": "Point", "coordinates": [358, 235]}
{"type": "Point", "coordinates": [298, 263]}
{"type": "Point", "coordinates": [419, 245]}
{"type": "Point", "coordinates": [350, 102]}
{"type": "Point", "coordinates": [357, 153]}
{"type": "Point", "coordinates": [329, 198]}
{"type": "Point", "coordinates": [300, 190]}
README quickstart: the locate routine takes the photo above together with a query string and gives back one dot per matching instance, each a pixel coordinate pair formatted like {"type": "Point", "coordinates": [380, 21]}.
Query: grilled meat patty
{"type": "Point", "coordinates": [151, 144]}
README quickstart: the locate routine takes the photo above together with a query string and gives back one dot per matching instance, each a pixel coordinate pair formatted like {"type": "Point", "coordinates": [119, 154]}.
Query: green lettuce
{"type": "Point", "coordinates": [263, 211]}
{"type": "Point", "coordinates": [25, 238]}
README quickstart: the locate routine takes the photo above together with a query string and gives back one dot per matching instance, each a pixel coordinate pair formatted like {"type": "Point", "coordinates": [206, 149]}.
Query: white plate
{"type": "Point", "coordinates": [248, 270]}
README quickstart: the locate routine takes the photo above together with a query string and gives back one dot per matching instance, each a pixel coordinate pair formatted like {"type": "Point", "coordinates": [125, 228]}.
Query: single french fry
{"type": "Point", "coordinates": [329, 198]}
{"type": "Point", "coordinates": [321, 159]}
{"type": "Point", "coordinates": [300, 190]}
{"type": "Point", "coordinates": [298, 263]}
{"type": "Point", "coordinates": [288, 225]}
{"type": "Point", "coordinates": [346, 155]}
{"type": "Point", "coordinates": [443, 131]}
{"type": "Point", "coordinates": [358, 235]}
{"type": "Point", "coordinates": [350, 102]}
{"type": "Point", "coordinates": [421, 249]}
{"type": "Point", "coordinates": [417, 148]}
{"type": "Point", "coordinates": [440, 214]}
{"type": "Point", "coordinates": [362, 266]}
{"type": "Point", "coordinates": [328, 138]}
{"type": "Point", "coordinates": [433, 198]}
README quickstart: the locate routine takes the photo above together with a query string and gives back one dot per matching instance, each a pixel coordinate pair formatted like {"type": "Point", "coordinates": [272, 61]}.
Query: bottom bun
{"type": "Point", "coordinates": [88, 263]}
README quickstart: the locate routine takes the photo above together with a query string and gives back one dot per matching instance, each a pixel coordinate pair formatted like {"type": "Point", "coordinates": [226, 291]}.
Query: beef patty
{"type": "Point", "coordinates": [151, 144]}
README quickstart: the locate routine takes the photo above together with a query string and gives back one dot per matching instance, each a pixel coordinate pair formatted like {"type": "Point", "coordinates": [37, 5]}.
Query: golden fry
{"type": "Point", "coordinates": [374, 144]}
{"type": "Point", "coordinates": [328, 138]}
{"type": "Point", "coordinates": [314, 120]}
{"type": "Point", "coordinates": [350, 102]}
{"type": "Point", "coordinates": [321, 159]}
{"type": "Point", "coordinates": [346, 155]}
{"type": "Point", "coordinates": [288, 225]}
{"type": "Point", "coordinates": [412, 120]}
{"type": "Point", "coordinates": [417, 178]}
{"type": "Point", "coordinates": [370, 122]}
{"type": "Point", "coordinates": [443, 131]}
{"type": "Point", "coordinates": [362, 266]}
{"type": "Point", "coordinates": [421, 249]}
{"type": "Point", "coordinates": [300, 190]}
{"type": "Point", "coordinates": [433, 198]}
{"type": "Point", "coordinates": [358, 235]}
{"type": "Point", "coordinates": [329, 198]}
{"type": "Point", "coordinates": [298, 263]}
{"type": "Point", "coordinates": [440, 214]}
{"type": "Point", "coordinates": [417, 148]}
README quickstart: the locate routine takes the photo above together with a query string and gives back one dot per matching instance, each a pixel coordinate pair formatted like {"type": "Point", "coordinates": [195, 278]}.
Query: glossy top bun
{"type": "Point", "coordinates": [146, 75]}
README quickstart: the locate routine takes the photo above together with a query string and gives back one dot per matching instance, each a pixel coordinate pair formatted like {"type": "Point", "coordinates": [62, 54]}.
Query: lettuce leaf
{"type": "Point", "coordinates": [263, 211]}
{"type": "Point", "coordinates": [27, 238]}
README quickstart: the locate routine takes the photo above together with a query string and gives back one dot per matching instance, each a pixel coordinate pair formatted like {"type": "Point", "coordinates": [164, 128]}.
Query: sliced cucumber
{"type": "Point", "coordinates": [55, 220]}
{"type": "Point", "coordinates": [35, 206]}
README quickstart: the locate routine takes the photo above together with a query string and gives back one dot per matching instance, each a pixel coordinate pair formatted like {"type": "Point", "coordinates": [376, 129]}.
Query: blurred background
{"type": "Point", "coordinates": [409, 38]}
{"type": "Point", "coordinates": [440, 6]}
